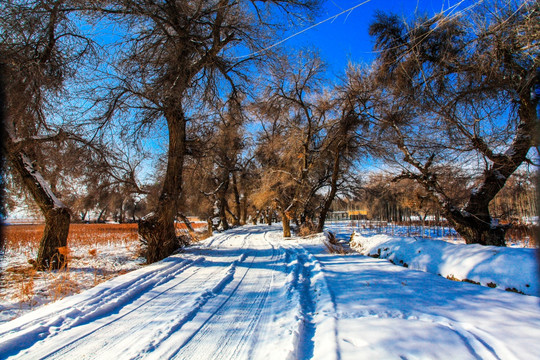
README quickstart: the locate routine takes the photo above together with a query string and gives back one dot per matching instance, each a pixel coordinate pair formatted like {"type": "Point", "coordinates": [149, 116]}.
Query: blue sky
{"type": "Point", "coordinates": [343, 39]}
{"type": "Point", "coordinates": [346, 38]}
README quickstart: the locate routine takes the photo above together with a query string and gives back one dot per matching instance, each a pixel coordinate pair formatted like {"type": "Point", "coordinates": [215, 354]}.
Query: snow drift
{"type": "Point", "coordinates": [512, 269]}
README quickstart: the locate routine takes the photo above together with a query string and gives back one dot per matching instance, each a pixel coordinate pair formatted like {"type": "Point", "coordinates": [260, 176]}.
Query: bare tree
{"type": "Point", "coordinates": [344, 142]}
{"type": "Point", "coordinates": [455, 91]}
{"type": "Point", "coordinates": [226, 146]}
{"type": "Point", "coordinates": [244, 185]}
{"type": "Point", "coordinates": [293, 111]}
{"type": "Point", "coordinates": [311, 136]}
{"type": "Point", "coordinates": [213, 165]}
{"type": "Point", "coordinates": [180, 53]}
{"type": "Point", "coordinates": [39, 48]}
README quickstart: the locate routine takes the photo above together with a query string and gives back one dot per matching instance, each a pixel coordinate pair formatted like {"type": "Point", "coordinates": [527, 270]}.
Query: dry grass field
{"type": "Point", "coordinates": [24, 236]}
{"type": "Point", "coordinates": [96, 253]}
{"type": "Point", "coordinates": [28, 236]}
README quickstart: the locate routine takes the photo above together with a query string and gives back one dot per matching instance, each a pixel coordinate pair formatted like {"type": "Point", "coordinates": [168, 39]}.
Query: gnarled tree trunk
{"type": "Point", "coordinates": [157, 230]}
{"type": "Point", "coordinates": [286, 221]}
{"type": "Point", "coordinates": [54, 240]}
{"type": "Point", "coordinates": [237, 204]}
{"type": "Point", "coordinates": [159, 234]}
{"type": "Point", "coordinates": [474, 223]}
{"type": "Point", "coordinates": [56, 214]}
{"type": "Point", "coordinates": [477, 228]}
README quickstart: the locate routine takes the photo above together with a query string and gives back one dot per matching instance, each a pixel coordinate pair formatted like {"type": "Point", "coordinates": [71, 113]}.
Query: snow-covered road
{"type": "Point", "coordinates": [249, 294]}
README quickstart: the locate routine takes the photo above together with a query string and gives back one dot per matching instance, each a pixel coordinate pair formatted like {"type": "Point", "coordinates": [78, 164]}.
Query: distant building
{"type": "Point", "coordinates": [357, 214]}
{"type": "Point", "coordinates": [347, 215]}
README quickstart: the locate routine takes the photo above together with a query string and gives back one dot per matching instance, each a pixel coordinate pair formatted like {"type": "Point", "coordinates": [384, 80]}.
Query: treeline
{"type": "Point", "coordinates": [248, 131]}
{"type": "Point", "coordinates": [402, 201]}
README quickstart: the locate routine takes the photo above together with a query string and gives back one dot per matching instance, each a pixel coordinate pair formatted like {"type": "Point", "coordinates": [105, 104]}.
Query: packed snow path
{"type": "Point", "coordinates": [249, 294]}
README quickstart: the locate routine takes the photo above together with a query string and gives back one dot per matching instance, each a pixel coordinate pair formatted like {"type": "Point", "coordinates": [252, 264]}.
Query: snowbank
{"type": "Point", "coordinates": [247, 293]}
{"type": "Point", "coordinates": [512, 269]}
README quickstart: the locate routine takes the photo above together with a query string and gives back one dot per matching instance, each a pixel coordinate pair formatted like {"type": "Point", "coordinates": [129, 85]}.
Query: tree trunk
{"type": "Point", "coordinates": [121, 212]}
{"type": "Point", "coordinates": [477, 229]}
{"type": "Point", "coordinates": [333, 190]}
{"type": "Point", "coordinates": [268, 217]}
{"type": "Point", "coordinates": [56, 214]}
{"type": "Point", "coordinates": [101, 214]}
{"type": "Point", "coordinates": [159, 235]}
{"type": "Point", "coordinates": [223, 214]}
{"type": "Point", "coordinates": [255, 219]}
{"type": "Point", "coordinates": [244, 218]}
{"type": "Point", "coordinates": [53, 245]}
{"type": "Point", "coordinates": [157, 230]}
{"type": "Point", "coordinates": [210, 225]}
{"type": "Point", "coordinates": [286, 224]}
{"type": "Point", "coordinates": [237, 204]}
{"type": "Point", "coordinates": [222, 199]}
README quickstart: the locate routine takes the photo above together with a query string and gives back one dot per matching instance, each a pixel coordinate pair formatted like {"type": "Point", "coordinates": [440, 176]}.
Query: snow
{"type": "Point", "coordinates": [503, 268]}
{"type": "Point", "coordinates": [85, 271]}
{"type": "Point", "coordinates": [248, 293]}
{"type": "Point", "coordinates": [37, 177]}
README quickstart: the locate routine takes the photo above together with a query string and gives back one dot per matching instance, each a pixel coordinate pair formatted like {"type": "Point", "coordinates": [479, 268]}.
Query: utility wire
{"type": "Point", "coordinates": [349, 10]}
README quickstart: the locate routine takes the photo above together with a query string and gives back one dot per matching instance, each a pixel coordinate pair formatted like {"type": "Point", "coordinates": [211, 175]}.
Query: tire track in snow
{"type": "Point", "coordinates": [250, 316]}
{"type": "Point", "coordinates": [264, 310]}
{"type": "Point", "coordinates": [128, 326]}
{"type": "Point", "coordinates": [306, 332]}
{"type": "Point", "coordinates": [240, 338]}
{"type": "Point", "coordinates": [477, 345]}
{"type": "Point", "coordinates": [201, 301]}
{"type": "Point", "coordinates": [323, 320]}
{"type": "Point", "coordinates": [138, 340]}
{"type": "Point", "coordinates": [240, 312]}
{"type": "Point", "coordinates": [106, 298]}
{"type": "Point", "coordinates": [127, 306]}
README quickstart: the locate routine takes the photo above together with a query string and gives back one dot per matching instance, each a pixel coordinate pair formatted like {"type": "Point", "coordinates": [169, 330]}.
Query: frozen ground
{"type": "Point", "coordinates": [249, 294]}
{"type": "Point", "coordinates": [22, 289]}
{"type": "Point", "coordinates": [509, 268]}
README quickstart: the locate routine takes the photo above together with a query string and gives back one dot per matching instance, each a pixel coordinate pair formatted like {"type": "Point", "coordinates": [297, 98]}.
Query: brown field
{"type": "Point", "coordinates": [96, 253]}
{"type": "Point", "coordinates": [79, 234]}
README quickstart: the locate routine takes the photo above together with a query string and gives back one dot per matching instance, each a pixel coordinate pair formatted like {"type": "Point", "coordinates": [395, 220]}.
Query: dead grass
{"type": "Point", "coordinates": [22, 242]}
{"type": "Point", "coordinates": [17, 236]}
{"type": "Point", "coordinates": [83, 254]}
{"type": "Point", "coordinates": [306, 230]}
{"type": "Point", "coordinates": [63, 285]}
{"type": "Point", "coordinates": [25, 285]}
{"type": "Point", "coordinates": [333, 246]}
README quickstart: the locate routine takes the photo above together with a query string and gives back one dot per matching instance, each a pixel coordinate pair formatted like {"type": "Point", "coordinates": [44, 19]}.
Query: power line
{"type": "Point", "coordinates": [349, 10]}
